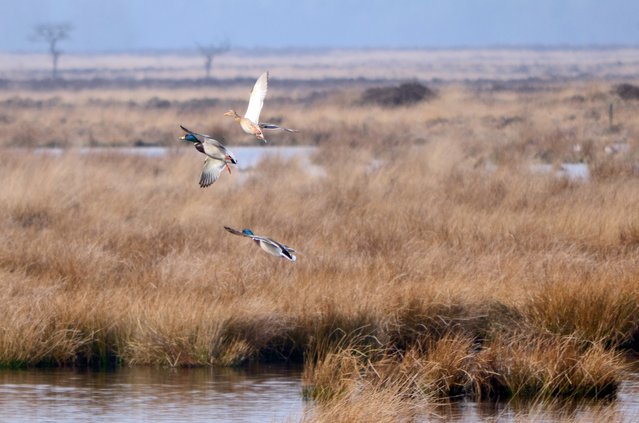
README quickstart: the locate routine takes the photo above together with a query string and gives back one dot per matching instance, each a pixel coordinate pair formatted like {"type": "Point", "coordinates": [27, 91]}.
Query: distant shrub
{"type": "Point", "coordinates": [26, 103]}
{"type": "Point", "coordinates": [198, 103]}
{"type": "Point", "coordinates": [627, 91]}
{"type": "Point", "coordinates": [406, 94]}
{"type": "Point", "coordinates": [157, 103]}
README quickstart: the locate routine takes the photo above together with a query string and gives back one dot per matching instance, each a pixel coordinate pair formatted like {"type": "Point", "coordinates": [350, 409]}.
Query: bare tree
{"type": "Point", "coordinates": [209, 52]}
{"type": "Point", "coordinates": [52, 33]}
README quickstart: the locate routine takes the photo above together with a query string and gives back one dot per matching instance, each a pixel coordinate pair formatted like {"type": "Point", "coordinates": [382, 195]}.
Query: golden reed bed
{"type": "Point", "coordinates": [432, 262]}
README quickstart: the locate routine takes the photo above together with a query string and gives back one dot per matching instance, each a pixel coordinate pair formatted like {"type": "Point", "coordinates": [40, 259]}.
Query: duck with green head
{"type": "Point", "coordinates": [267, 244]}
{"type": "Point", "coordinates": [217, 155]}
{"type": "Point", "coordinates": [250, 122]}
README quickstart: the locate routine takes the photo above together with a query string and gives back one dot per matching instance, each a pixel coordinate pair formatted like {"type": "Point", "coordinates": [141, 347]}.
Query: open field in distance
{"type": "Point", "coordinates": [480, 93]}
{"type": "Point", "coordinates": [575, 112]}
{"type": "Point", "coordinates": [317, 64]}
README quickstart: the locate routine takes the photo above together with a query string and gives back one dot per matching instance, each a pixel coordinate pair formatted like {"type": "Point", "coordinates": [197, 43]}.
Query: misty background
{"type": "Point", "coordinates": [139, 25]}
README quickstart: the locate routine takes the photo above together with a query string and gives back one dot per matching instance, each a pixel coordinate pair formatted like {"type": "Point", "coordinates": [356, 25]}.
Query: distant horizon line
{"type": "Point", "coordinates": [294, 49]}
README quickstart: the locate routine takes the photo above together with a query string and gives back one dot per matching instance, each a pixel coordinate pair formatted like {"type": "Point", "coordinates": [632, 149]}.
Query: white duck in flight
{"type": "Point", "coordinates": [250, 123]}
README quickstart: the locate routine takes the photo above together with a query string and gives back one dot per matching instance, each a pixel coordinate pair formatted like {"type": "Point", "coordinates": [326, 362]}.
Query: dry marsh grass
{"type": "Point", "coordinates": [543, 119]}
{"type": "Point", "coordinates": [432, 262]}
{"type": "Point", "coordinates": [123, 258]}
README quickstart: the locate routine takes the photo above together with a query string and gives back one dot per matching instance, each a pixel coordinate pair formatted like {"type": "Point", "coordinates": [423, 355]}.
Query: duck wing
{"type": "Point", "coordinates": [200, 137]}
{"type": "Point", "coordinates": [205, 139]}
{"type": "Point", "coordinates": [211, 171]}
{"type": "Point", "coordinates": [257, 98]}
{"type": "Point", "coordinates": [273, 126]}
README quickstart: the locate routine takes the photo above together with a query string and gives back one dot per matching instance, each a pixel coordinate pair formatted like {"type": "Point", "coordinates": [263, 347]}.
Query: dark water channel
{"type": "Point", "coordinates": [260, 394]}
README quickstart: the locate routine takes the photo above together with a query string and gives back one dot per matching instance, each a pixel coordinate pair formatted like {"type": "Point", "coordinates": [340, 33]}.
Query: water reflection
{"type": "Point", "coordinates": [258, 394]}
{"type": "Point", "coordinates": [623, 408]}
{"type": "Point", "coordinates": [151, 394]}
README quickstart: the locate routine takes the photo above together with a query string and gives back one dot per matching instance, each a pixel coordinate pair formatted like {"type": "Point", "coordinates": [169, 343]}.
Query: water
{"type": "Point", "coordinates": [259, 394]}
{"type": "Point", "coordinates": [262, 394]}
{"type": "Point", "coordinates": [572, 171]}
{"type": "Point", "coordinates": [247, 157]}
{"type": "Point", "coordinates": [623, 408]}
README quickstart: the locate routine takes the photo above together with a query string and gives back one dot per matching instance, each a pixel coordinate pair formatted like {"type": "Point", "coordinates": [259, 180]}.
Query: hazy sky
{"type": "Point", "coordinates": [119, 25]}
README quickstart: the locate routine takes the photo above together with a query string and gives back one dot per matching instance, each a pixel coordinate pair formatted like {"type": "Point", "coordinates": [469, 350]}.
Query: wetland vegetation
{"type": "Point", "coordinates": [432, 263]}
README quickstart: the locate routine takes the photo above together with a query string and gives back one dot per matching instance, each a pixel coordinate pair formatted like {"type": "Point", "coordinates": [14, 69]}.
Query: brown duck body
{"type": "Point", "coordinates": [247, 125]}
{"type": "Point", "coordinates": [250, 122]}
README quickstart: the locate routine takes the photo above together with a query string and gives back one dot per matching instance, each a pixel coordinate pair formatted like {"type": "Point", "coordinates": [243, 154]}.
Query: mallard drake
{"type": "Point", "coordinates": [218, 156]}
{"type": "Point", "coordinates": [250, 123]}
{"type": "Point", "coordinates": [267, 244]}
